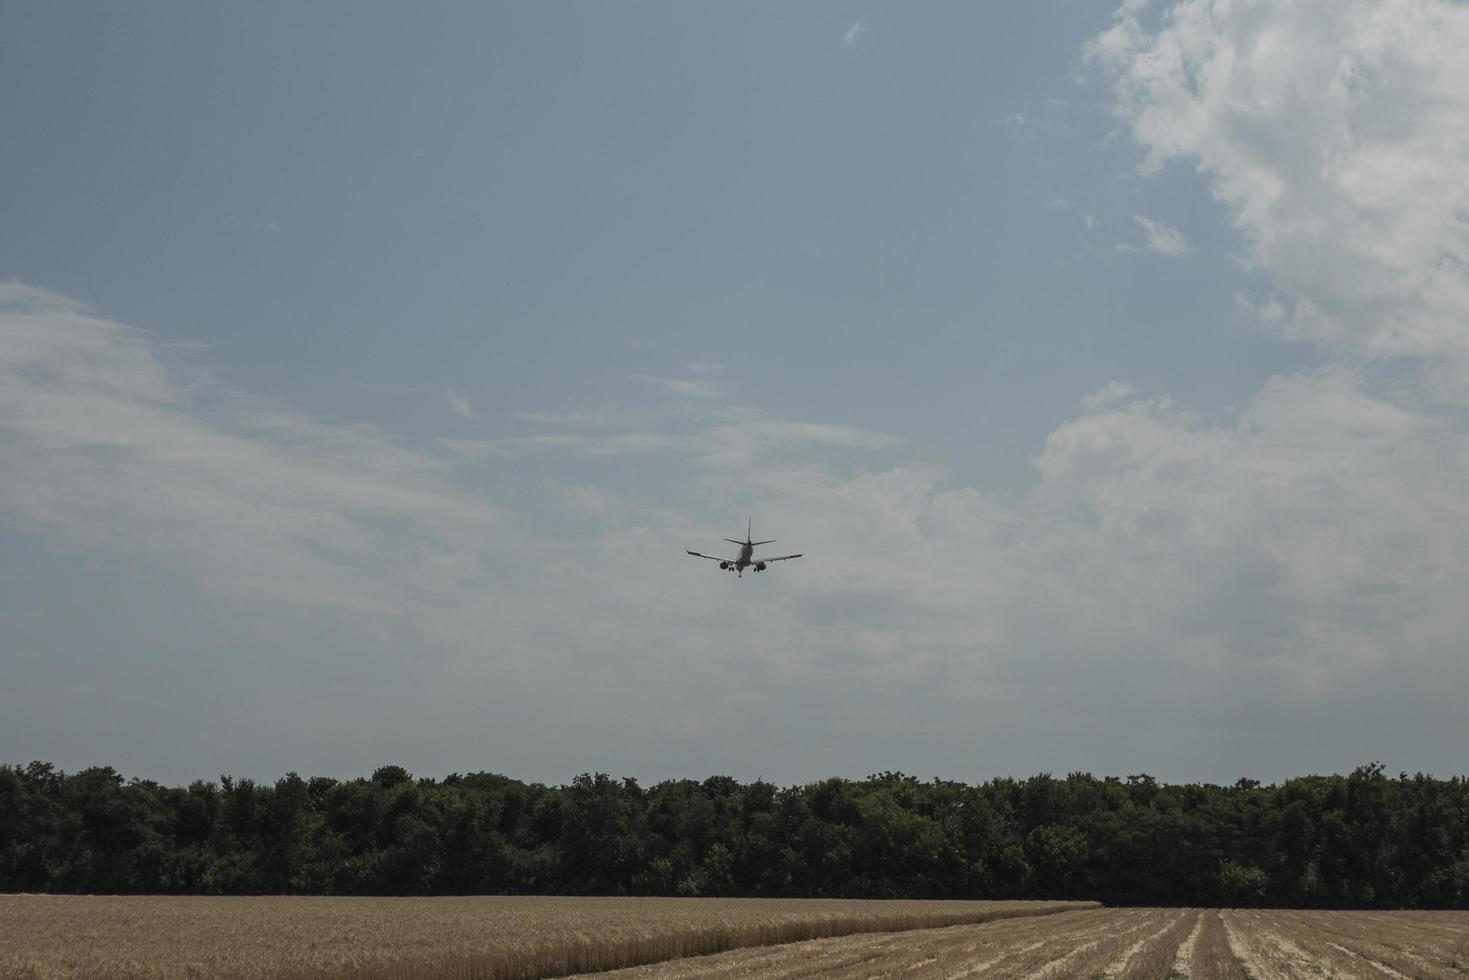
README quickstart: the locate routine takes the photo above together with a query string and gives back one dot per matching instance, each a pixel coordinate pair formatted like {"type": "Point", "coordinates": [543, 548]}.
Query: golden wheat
{"type": "Point", "coordinates": [484, 938]}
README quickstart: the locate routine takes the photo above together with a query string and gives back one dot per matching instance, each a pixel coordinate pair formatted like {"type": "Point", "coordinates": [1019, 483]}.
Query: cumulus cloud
{"type": "Point", "coordinates": [1310, 533]}
{"type": "Point", "coordinates": [1334, 132]}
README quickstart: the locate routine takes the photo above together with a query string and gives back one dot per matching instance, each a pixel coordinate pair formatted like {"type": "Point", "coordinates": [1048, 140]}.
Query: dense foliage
{"type": "Point", "coordinates": [1363, 840]}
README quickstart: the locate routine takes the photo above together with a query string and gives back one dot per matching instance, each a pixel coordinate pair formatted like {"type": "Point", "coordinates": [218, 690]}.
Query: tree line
{"type": "Point", "coordinates": [1364, 840]}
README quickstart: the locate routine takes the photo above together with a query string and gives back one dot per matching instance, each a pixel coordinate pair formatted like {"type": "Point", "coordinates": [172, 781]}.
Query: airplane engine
{"type": "Point", "coordinates": [724, 566]}
{"type": "Point", "coordinates": [759, 566]}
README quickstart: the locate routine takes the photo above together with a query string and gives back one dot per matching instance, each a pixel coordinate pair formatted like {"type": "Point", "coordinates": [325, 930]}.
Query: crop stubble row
{"type": "Point", "coordinates": [1119, 944]}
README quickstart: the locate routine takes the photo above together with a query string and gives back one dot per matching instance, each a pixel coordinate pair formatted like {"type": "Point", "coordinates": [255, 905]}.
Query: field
{"type": "Point", "coordinates": [492, 938]}
{"type": "Point", "coordinates": [93, 937]}
{"type": "Point", "coordinates": [1155, 944]}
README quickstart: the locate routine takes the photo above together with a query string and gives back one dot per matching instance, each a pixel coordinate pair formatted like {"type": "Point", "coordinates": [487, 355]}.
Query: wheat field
{"type": "Point", "coordinates": [497, 938]}
{"type": "Point", "coordinates": [45, 937]}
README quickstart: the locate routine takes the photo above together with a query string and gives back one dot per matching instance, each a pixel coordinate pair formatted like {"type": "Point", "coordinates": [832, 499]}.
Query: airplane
{"type": "Point", "coordinates": [747, 557]}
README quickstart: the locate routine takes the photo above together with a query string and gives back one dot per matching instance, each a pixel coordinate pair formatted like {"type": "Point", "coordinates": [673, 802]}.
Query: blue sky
{"type": "Point", "coordinates": [369, 372]}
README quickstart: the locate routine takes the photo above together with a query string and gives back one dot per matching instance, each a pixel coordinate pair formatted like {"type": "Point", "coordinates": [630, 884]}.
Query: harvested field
{"type": "Point", "coordinates": [1118, 944]}
{"type": "Point", "coordinates": [44, 937]}
{"type": "Point", "coordinates": [1285, 944]}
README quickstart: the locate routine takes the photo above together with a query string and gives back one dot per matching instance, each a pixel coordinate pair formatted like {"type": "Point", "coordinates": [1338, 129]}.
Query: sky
{"type": "Point", "coordinates": [365, 373]}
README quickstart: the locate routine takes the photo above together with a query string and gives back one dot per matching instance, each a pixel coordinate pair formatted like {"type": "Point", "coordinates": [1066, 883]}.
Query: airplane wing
{"type": "Point", "coordinates": [710, 557]}
{"type": "Point", "coordinates": [766, 561]}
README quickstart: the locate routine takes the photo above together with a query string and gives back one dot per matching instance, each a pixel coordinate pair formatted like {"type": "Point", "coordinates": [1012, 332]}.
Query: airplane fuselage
{"type": "Point", "coordinates": [745, 560]}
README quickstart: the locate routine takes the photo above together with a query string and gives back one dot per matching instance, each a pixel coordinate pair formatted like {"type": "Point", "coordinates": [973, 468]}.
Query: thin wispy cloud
{"type": "Point", "coordinates": [458, 403]}
{"type": "Point", "coordinates": [594, 417]}
{"type": "Point", "coordinates": [590, 500]}
{"type": "Point", "coordinates": [726, 437]}
{"type": "Point", "coordinates": [1106, 396]}
{"type": "Point", "coordinates": [853, 37]}
{"type": "Point", "coordinates": [103, 448]}
{"type": "Point", "coordinates": [1270, 311]}
{"type": "Point", "coordinates": [686, 387]}
{"type": "Point", "coordinates": [1158, 238]}
{"type": "Point", "coordinates": [479, 448]}
{"type": "Point", "coordinates": [267, 226]}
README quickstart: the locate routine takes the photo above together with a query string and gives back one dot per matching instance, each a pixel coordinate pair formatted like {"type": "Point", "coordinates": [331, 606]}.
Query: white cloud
{"type": "Point", "coordinates": [458, 403]}
{"type": "Point", "coordinates": [1163, 570]}
{"type": "Point", "coordinates": [853, 37]}
{"type": "Point", "coordinates": [596, 417]}
{"type": "Point", "coordinates": [1310, 532]}
{"type": "Point", "coordinates": [727, 437]}
{"type": "Point", "coordinates": [742, 435]}
{"type": "Point", "coordinates": [1270, 311]}
{"type": "Point", "coordinates": [590, 500]}
{"type": "Point", "coordinates": [685, 387]}
{"type": "Point", "coordinates": [1159, 238]}
{"type": "Point", "coordinates": [104, 447]}
{"type": "Point", "coordinates": [479, 448]}
{"type": "Point", "coordinates": [1334, 131]}
{"type": "Point", "coordinates": [1106, 396]}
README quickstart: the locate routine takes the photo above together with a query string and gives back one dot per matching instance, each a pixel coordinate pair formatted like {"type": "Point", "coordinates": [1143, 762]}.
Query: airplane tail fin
{"type": "Point", "coordinates": [748, 536]}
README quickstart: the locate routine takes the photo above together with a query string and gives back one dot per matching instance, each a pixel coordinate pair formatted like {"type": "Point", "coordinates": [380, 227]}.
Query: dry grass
{"type": "Point", "coordinates": [489, 938]}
